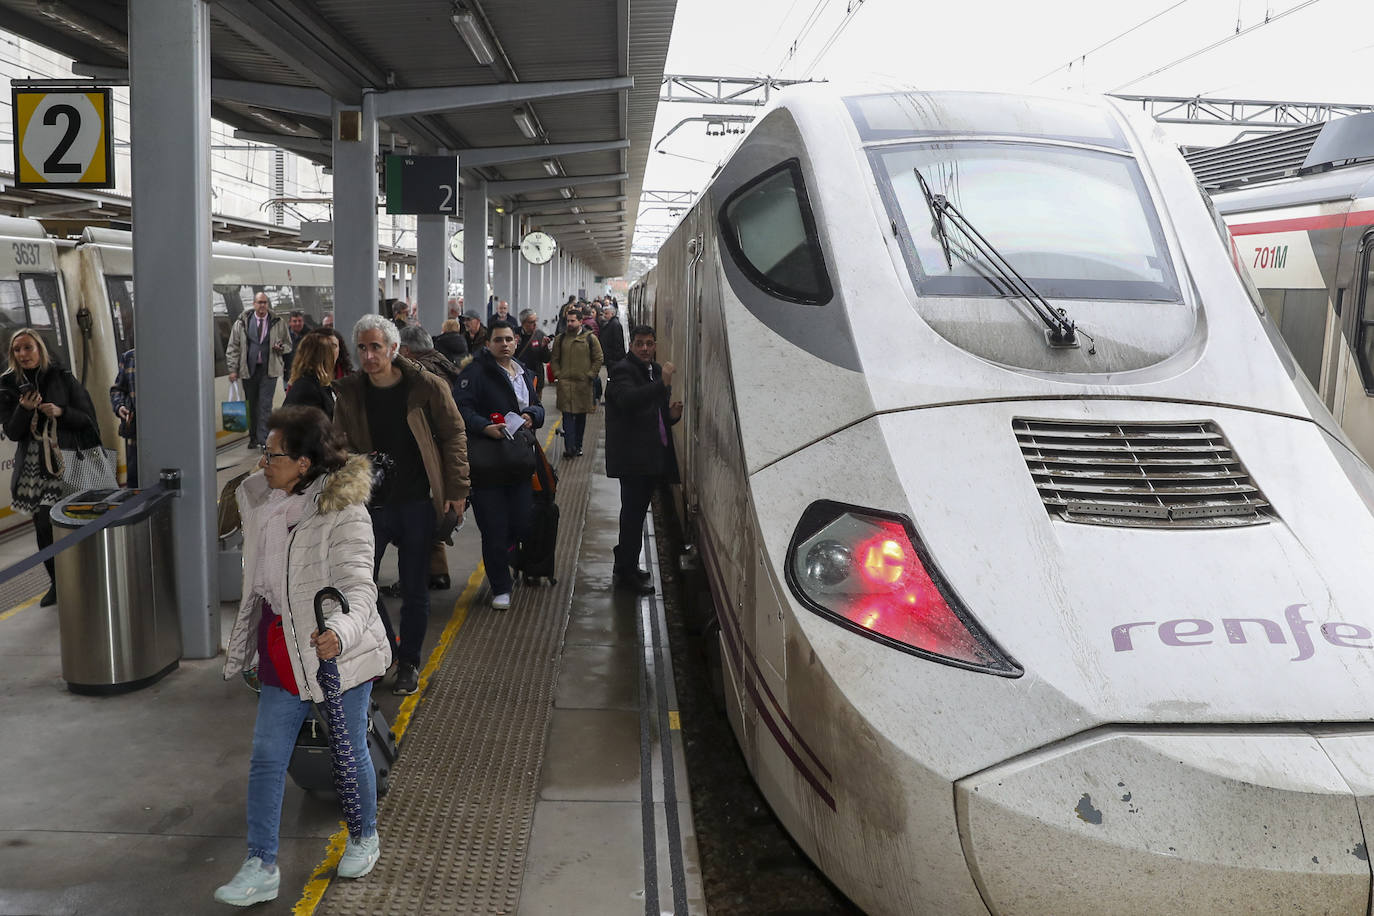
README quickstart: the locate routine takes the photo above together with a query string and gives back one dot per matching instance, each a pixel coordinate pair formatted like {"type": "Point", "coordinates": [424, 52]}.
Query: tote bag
{"type": "Point", "coordinates": [233, 413]}
{"type": "Point", "coordinates": [88, 469]}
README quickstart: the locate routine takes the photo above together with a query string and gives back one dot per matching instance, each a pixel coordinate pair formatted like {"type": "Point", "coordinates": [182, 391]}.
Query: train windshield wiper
{"type": "Point", "coordinates": [1060, 330]}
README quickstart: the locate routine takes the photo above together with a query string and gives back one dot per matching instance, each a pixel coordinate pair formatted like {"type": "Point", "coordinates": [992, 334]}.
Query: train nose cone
{"type": "Point", "coordinates": [1155, 823]}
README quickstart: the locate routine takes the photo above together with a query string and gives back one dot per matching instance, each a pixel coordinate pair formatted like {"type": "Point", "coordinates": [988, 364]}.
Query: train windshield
{"type": "Point", "coordinates": [1077, 223]}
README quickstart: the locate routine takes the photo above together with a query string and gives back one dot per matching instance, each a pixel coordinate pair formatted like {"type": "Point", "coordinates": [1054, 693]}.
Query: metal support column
{"type": "Point", "coordinates": [509, 228]}
{"type": "Point", "coordinates": [529, 287]}
{"type": "Point", "coordinates": [501, 279]}
{"type": "Point", "coordinates": [431, 272]}
{"type": "Point", "coordinates": [169, 85]}
{"type": "Point", "coordinates": [475, 247]}
{"type": "Point", "coordinates": [355, 214]}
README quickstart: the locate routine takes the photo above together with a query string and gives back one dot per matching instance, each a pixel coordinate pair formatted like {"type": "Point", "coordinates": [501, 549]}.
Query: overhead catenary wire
{"type": "Point", "coordinates": [1268, 19]}
{"type": "Point", "coordinates": [850, 13]}
{"type": "Point", "coordinates": [1113, 39]}
{"type": "Point", "coordinates": [807, 25]}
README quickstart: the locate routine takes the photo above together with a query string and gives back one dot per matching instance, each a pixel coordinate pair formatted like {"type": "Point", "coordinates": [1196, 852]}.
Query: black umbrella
{"type": "Point", "coordinates": [336, 722]}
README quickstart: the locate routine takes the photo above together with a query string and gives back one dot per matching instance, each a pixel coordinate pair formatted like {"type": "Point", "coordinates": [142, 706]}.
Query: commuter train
{"type": "Point", "coordinates": [61, 286]}
{"type": "Point", "coordinates": [1039, 567]}
{"type": "Point", "coordinates": [1307, 243]}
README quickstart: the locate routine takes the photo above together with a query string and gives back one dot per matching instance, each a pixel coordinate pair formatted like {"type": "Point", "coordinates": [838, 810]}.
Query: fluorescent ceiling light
{"type": "Point", "coordinates": [87, 25]}
{"type": "Point", "coordinates": [525, 123]}
{"type": "Point", "coordinates": [465, 21]}
{"type": "Point", "coordinates": [567, 194]}
{"type": "Point", "coordinates": [551, 167]}
{"type": "Point", "coordinates": [577, 209]}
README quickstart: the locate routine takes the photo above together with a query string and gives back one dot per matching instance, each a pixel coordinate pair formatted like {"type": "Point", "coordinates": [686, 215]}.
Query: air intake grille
{"type": "Point", "coordinates": [1167, 475]}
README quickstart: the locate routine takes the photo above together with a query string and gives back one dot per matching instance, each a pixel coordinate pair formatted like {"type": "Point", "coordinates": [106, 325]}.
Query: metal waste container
{"type": "Point", "coordinates": [116, 595]}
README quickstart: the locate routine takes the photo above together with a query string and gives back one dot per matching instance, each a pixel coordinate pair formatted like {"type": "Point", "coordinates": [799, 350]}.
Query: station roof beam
{"type": "Point", "coordinates": [526, 185]}
{"type": "Point", "coordinates": [1241, 112]}
{"type": "Point", "coordinates": [560, 205]}
{"type": "Point", "coordinates": [755, 91]}
{"type": "Point", "coordinates": [497, 155]}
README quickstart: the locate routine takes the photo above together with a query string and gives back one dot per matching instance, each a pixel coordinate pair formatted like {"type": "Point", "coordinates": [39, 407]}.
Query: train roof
{"type": "Point", "coordinates": [1322, 187]}
{"type": "Point", "coordinates": [21, 227]}
{"type": "Point", "coordinates": [1313, 163]}
{"type": "Point", "coordinates": [122, 238]}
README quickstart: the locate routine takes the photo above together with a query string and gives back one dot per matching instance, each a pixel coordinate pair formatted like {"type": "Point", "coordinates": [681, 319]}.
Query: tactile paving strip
{"type": "Point", "coordinates": [455, 826]}
{"type": "Point", "coordinates": [23, 586]}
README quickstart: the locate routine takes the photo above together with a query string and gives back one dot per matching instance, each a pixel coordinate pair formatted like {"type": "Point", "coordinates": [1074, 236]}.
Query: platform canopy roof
{"type": "Point", "coordinates": [308, 52]}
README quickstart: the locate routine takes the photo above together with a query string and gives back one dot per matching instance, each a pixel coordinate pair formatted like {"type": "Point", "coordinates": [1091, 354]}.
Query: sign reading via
{"type": "Point", "coordinates": [62, 137]}
{"type": "Point", "coordinates": [422, 184]}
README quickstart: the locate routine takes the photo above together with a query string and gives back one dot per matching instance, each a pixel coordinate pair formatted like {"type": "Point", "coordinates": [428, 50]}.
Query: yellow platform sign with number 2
{"type": "Point", "coordinates": [63, 138]}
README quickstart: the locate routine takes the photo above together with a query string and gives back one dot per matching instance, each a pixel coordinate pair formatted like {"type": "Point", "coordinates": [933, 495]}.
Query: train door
{"type": "Point", "coordinates": [1356, 409]}
{"type": "Point", "coordinates": [35, 301]}
{"type": "Point", "coordinates": [120, 293]}
{"type": "Point", "coordinates": [691, 372]}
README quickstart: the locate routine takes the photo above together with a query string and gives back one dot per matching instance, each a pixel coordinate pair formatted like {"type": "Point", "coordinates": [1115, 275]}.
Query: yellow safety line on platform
{"type": "Point", "coordinates": [19, 607]}
{"type": "Point", "coordinates": [320, 879]}
{"type": "Point", "coordinates": [313, 892]}
{"type": "Point", "coordinates": [674, 720]}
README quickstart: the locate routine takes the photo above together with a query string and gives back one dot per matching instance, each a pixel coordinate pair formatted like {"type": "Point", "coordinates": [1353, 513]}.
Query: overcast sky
{"type": "Point", "coordinates": [1309, 50]}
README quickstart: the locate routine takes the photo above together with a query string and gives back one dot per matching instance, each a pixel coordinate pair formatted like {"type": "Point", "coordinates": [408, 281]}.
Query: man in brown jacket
{"type": "Point", "coordinates": [407, 420]}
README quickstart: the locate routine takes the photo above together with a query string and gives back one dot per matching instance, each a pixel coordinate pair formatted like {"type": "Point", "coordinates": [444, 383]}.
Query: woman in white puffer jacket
{"type": "Point", "coordinates": [305, 525]}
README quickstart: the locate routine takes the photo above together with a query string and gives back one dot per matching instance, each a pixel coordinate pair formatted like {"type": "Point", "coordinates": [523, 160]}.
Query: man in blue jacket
{"type": "Point", "coordinates": [639, 451]}
{"type": "Point", "coordinates": [494, 383]}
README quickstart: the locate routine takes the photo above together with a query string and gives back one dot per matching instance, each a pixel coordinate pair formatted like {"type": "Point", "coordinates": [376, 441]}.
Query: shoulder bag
{"type": "Point", "coordinates": [501, 462]}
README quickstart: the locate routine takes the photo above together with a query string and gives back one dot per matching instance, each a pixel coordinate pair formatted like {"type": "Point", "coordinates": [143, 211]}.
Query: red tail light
{"type": "Point", "coordinates": [868, 571]}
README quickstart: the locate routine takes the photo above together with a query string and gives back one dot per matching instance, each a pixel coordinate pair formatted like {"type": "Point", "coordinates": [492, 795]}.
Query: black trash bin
{"type": "Point", "coordinates": [116, 595]}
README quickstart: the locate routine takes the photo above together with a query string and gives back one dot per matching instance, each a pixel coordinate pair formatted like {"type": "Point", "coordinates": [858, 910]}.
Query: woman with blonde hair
{"type": "Point", "coordinates": [34, 389]}
{"type": "Point", "coordinates": [312, 372]}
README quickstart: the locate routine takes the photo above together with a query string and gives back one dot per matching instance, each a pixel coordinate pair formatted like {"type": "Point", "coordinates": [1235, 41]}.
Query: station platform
{"type": "Point", "coordinates": [540, 766]}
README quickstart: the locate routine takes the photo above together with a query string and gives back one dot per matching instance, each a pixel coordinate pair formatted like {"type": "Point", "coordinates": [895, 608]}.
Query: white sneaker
{"type": "Point", "coordinates": [254, 883]}
{"type": "Point", "coordinates": [500, 602]}
{"type": "Point", "coordinates": [359, 856]}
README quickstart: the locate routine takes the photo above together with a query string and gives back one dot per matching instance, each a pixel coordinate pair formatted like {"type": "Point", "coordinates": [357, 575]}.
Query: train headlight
{"type": "Point", "coordinates": [828, 563]}
{"type": "Point", "coordinates": [869, 571]}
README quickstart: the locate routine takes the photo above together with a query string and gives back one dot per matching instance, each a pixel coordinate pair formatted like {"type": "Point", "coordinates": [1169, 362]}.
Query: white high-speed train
{"type": "Point", "coordinates": [48, 283]}
{"type": "Point", "coordinates": [1040, 568]}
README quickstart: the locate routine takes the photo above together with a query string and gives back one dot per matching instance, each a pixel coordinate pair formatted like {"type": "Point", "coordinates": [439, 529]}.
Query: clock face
{"type": "Point", "coordinates": [455, 246]}
{"type": "Point", "coordinates": [538, 247]}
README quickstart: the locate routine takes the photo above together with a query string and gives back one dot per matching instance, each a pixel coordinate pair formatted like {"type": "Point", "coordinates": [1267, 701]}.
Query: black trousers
{"type": "Point", "coordinates": [636, 493]}
{"type": "Point", "coordinates": [258, 390]}
{"type": "Point", "coordinates": [42, 530]}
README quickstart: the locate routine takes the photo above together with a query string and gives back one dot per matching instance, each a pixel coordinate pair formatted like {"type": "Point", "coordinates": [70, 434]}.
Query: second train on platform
{"type": "Point", "coordinates": [79, 295]}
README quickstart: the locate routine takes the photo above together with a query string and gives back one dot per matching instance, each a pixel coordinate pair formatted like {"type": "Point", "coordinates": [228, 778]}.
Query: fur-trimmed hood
{"type": "Point", "coordinates": [348, 486]}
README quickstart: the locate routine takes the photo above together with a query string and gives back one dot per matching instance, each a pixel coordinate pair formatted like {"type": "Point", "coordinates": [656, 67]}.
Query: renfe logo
{"type": "Point", "coordinates": [1194, 631]}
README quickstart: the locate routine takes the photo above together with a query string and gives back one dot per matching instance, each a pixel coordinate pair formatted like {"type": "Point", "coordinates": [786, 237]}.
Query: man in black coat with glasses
{"type": "Point", "coordinates": [639, 450]}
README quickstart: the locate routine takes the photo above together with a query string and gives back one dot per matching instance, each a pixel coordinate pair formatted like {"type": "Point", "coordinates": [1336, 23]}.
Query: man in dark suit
{"type": "Point", "coordinates": [639, 451]}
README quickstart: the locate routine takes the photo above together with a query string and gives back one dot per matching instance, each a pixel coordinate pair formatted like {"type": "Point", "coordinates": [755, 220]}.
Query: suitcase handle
{"type": "Point", "coordinates": [328, 591]}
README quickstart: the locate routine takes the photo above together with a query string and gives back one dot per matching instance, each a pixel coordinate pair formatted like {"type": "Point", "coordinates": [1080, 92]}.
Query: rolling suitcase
{"type": "Point", "coordinates": [535, 557]}
{"type": "Point", "coordinates": [310, 766]}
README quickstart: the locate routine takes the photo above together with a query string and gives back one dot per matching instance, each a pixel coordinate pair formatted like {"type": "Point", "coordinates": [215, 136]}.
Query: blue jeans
{"type": "Point", "coordinates": [410, 526]}
{"type": "Point", "coordinates": [503, 517]}
{"type": "Point", "coordinates": [280, 715]}
{"type": "Point", "coordinates": [574, 425]}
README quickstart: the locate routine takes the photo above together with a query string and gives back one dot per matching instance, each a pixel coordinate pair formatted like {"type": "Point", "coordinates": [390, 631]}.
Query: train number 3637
{"type": "Point", "coordinates": [1271, 256]}
{"type": "Point", "coordinates": [26, 253]}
